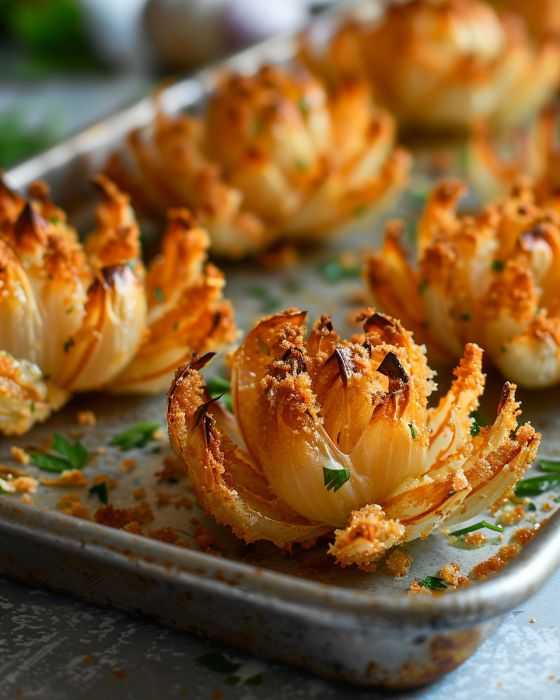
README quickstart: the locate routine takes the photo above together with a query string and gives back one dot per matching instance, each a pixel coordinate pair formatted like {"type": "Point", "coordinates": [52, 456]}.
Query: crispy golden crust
{"type": "Point", "coordinates": [87, 316]}
{"type": "Point", "coordinates": [457, 61]}
{"type": "Point", "coordinates": [275, 156]}
{"type": "Point", "coordinates": [491, 278]}
{"type": "Point", "coordinates": [337, 434]}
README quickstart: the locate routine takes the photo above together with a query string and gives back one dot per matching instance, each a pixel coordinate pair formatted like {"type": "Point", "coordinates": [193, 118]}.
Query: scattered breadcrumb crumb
{"type": "Point", "coordinates": [172, 470]}
{"type": "Point", "coordinates": [133, 527]}
{"type": "Point", "coordinates": [451, 574]}
{"type": "Point", "coordinates": [10, 472]}
{"type": "Point", "coordinates": [20, 455]}
{"type": "Point", "coordinates": [70, 504]}
{"type": "Point", "coordinates": [280, 257]}
{"type": "Point", "coordinates": [398, 562]}
{"type": "Point", "coordinates": [139, 494]}
{"type": "Point", "coordinates": [496, 563]}
{"type": "Point", "coordinates": [128, 465]}
{"type": "Point", "coordinates": [546, 507]}
{"type": "Point", "coordinates": [178, 500]}
{"type": "Point", "coordinates": [86, 418]}
{"type": "Point", "coordinates": [415, 587]}
{"type": "Point", "coordinates": [475, 539]}
{"type": "Point", "coordinates": [26, 498]}
{"type": "Point", "coordinates": [25, 484]}
{"type": "Point", "coordinates": [70, 477]}
{"type": "Point", "coordinates": [525, 534]}
{"type": "Point", "coordinates": [164, 534]}
{"type": "Point", "coordinates": [203, 538]}
{"type": "Point", "coordinates": [512, 516]}
{"type": "Point", "coordinates": [159, 435]}
{"type": "Point", "coordinates": [109, 482]}
{"type": "Point", "coordinates": [88, 659]}
{"type": "Point", "coordinates": [119, 517]}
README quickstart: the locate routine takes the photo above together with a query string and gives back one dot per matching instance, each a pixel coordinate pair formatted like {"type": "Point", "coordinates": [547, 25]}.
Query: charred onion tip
{"type": "Point", "coordinates": [197, 363]}
{"type": "Point", "coordinates": [391, 367]}
{"type": "Point", "coordinates": [378, 320]}
{"type": "Point", "coordinates": [29, 219]}
{"type": "Point", "coordinates": [202, 410]}
{"type": "Point", "coordinates": [508, 390]}
{"type": "Point", "coordinates": [344, 363]}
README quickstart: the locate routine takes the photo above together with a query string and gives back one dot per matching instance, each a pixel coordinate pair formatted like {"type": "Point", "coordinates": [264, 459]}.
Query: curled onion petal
{"type": "Point", "coordinates": [491, 278]}
{"type": "Point", "coordinates": [339, 432]}
{"type": "Point", "coordinates": [276, 155]}
{"type": "Point", "coordinates": [25, 396]}
{"type": "Point", "coordinates": [458, 61]}
{"type": "Point", "coordinates": [229, 485]}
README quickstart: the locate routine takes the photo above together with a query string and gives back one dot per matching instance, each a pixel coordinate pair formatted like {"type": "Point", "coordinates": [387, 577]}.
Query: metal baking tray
{"type": "Point", "coordinates": [343, 624]}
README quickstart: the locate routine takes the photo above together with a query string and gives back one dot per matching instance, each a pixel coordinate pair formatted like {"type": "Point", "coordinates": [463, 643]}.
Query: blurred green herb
{"type": "Point", "coordinates": [138, 435]}
{"type": "Point", "coordinates": [18, 140]}
{"type": "Point", "coordinates": [100, 490]}
{"type": "Point", "coordinates": [334, 271]}
{"type": "Point", "coordinates": [482, 525]}
{"type": "Point", "coordinates": [62, 456]}
{"type": "Point", "coordinates": [219, 387]}
{"type": "Point", "coordinates": [434, 583]}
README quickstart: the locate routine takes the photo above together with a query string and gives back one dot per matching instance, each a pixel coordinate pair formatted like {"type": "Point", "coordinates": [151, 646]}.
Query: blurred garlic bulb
{"type": "Point", "coordinates": [444, 63]}
{"type": "Point", "coordinates": [330, 433]}
{"type": "Point", "coordinates": [491, 278]}
{"type": "Point", "coordinates": [78, 318]}
{"type": "Point", "coordinates": [275, 156]}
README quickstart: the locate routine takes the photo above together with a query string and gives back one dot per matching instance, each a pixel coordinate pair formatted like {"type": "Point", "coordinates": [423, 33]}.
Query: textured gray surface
{"type": "Point", "coordinates": [53, 648]}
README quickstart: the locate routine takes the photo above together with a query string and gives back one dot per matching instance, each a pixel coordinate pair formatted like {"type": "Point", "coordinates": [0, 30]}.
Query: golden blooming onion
{"type": "Point", "coordinates": [78, 318]}
{"type": "Point", "coordinates": [534, 154]}
{"type": "Point", "coordinates": [331, 433]}
{"type": "Point", "coordinates": [491, 278]}
{"type": "Point", "coordinates": [274, 156]}
{"type": "Point", "coordinates": [444, 63]}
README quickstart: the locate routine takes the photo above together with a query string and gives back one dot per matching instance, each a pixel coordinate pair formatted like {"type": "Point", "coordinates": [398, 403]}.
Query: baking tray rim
{"type": "Point", "coordinates": [483, 600]}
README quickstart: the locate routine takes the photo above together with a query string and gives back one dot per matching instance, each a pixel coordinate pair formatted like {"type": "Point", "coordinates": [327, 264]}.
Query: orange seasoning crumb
{"type": "Point", "coordinates": [134, 527]}
{"type": "Point", "coordinates": [139, 494]}
{"type": "Point", "coordinates": [415, 587]}
{"type": "Point", "coordinates": [86, 418]}
{"type": "Point", "coordinates": [525, 534]}
{"type": "Point", "coordinates": [512, 516]}
{"type": "Point", "coordinates": [119, 517]}
{"type": "Point", "coordinates": [494, 564]}
{"type": "Point", "coordinates": [398, 562]}
{"type": "Point", "coordinates": [26, 498]}
{"type": "Point", "coordinates": [20, 455]}
{"type": "Point", "coordinates": [279, 258]}
{"type": "Point", "coordinates": [164, 534]}
{"type": "Point", "coordinates": [25, 484]}
{"type": "Point", "coordinates": [451, 574]}
{"type": "Point", "coordinates": [70, 504]}
{"type": "Point", "coordinates": [475, 539]}
{"type": "Point", "coordinates": [128, 465]}
{"type": "Point", "coordinates": [109, 482]}
{"type": "Point", "coordinates": [70, 477]}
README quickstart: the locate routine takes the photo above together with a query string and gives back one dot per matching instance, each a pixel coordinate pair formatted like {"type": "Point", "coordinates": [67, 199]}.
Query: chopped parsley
{"type": "Point", "coordinates": [465, 316]}
{"type": "Point", "coordinates": [413, 431]}
{"type": "Point", "coordinates": [218, 388]}
{"type": "Point", "coordinates": [550, 466]}
{"type": "Point", "coordinates": [498, 265]}
{"type": "Point", "coordinates": [159, 295]}
{"type": "Point", "coordinates": [434, 583]}
{"type": "Point", "coordinates": [303, 106]}
{"type": "Point", "coordinates": [62, 456]}
{"type": "Point", "coordinates": [536, 485]}
{"type": "Point", "coordinates": [334, 271]}
{"type": "Point", "coordinates": [334, 477]}
{"type": "Point", "coordinates": [531, 507]}
{"type": "Point", "coordinates": [423, 286]}
{"type": "Point", "coordinates": [482, 525]}
{"type": "Point", "coordinates": [475, 423]}
{"type": "Point", "coordinates": [138, 435]}
{"type": "Point", "coordinates": [100, 490]}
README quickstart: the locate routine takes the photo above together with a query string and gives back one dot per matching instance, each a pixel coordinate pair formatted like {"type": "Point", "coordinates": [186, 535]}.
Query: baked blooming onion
{"type": "Point", "coordinates": [542, 16]}
{"type": "Point", "coordinates": [79, 317]}
{"type": "Point", "coordinates": [274, 156]}
{"type": "Point", "coordinates": [492, 278]}
{"type": "Point", "coordinates": [444, 63]}
{"type": "Point", "coordinates": [336, 435]}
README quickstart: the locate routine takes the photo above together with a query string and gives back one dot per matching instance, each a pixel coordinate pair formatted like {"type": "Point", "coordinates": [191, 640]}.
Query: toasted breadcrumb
{"type": "Point", "coordinates": [139, 494]}
{"type": "Point", "coordinates": [281, 257]}
{"type": "Point", "coordinates": [546, 507]}
{"type": "Point", "coordinates": [119, 517]}
{"type": "Point", "coordinates": [128, 465]}
{"type": "Point", "coordinates": [109, 482]}
{"type": "Point", "coordinates": [415, 587]}
{"type": "Point", "coordinates": [164, 534]}
{"type": "Point", "coordinates": [86, 418]}
{"type": "Point", "coordinates": [133, 527]}
{"type": "Point", "coordinates": [451, 574]}
{"type": "Point", "coordinates": [70, 477]}
{"type": "Point", "coordinates": [398, 562]}
{"type": "Point", "coordinates": [25, 484]}
{"type": "Point", "coordinates": [512, 516]}
{"type": "Point", "coordinates": [173, 470]}
{"type": "Point", "coordinates": [475, 539]}
{"type": "Point", "coordinates": [496, 563]}
{"type": "Point", "coordinates": [525, 534]}
{"type": "Point", "coordinates": [204, 538]}
{"type": "Point", "coordinates": [26, 498]}
{"type": "Point", "coordinates": [70, 504]}
{"type": "Point", "coordinates": [159, 435]}
{"type": "Point", "coordinates": [20, 455]}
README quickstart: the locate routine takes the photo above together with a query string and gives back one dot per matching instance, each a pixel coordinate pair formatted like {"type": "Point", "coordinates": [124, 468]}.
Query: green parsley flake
{"type": "Point", "coordinates": [159, 296]}
{"type": "Point", "coordinates": [334, 271]}
{"type": "Point", "coordinates": [498, 265]}
{"type": "Point", "coordinates": [219, 387]}
{"type": "Point", "coordinates": [413, 431]}
{"type": "Point", "coordinates": [100, 490]}
{"type": "Point", "coordinates": [482, 525]}
{"type": "Point", "coordinates": [550, 466]}
{"type": "Point", "coordinates": [62, 456]}
{"type": "Point", "coordinates": [434, 583]}
{"type": "Point", "coordinates": [536, 485]}
{"type": "Point", "coordinates": [423, 286]}
{"type": "Point", "coordinates": [138, 435]}
{"type": "Point", "coordinates": [475, 423]}
{"type": "Point", "coordinates": [334, 478]}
